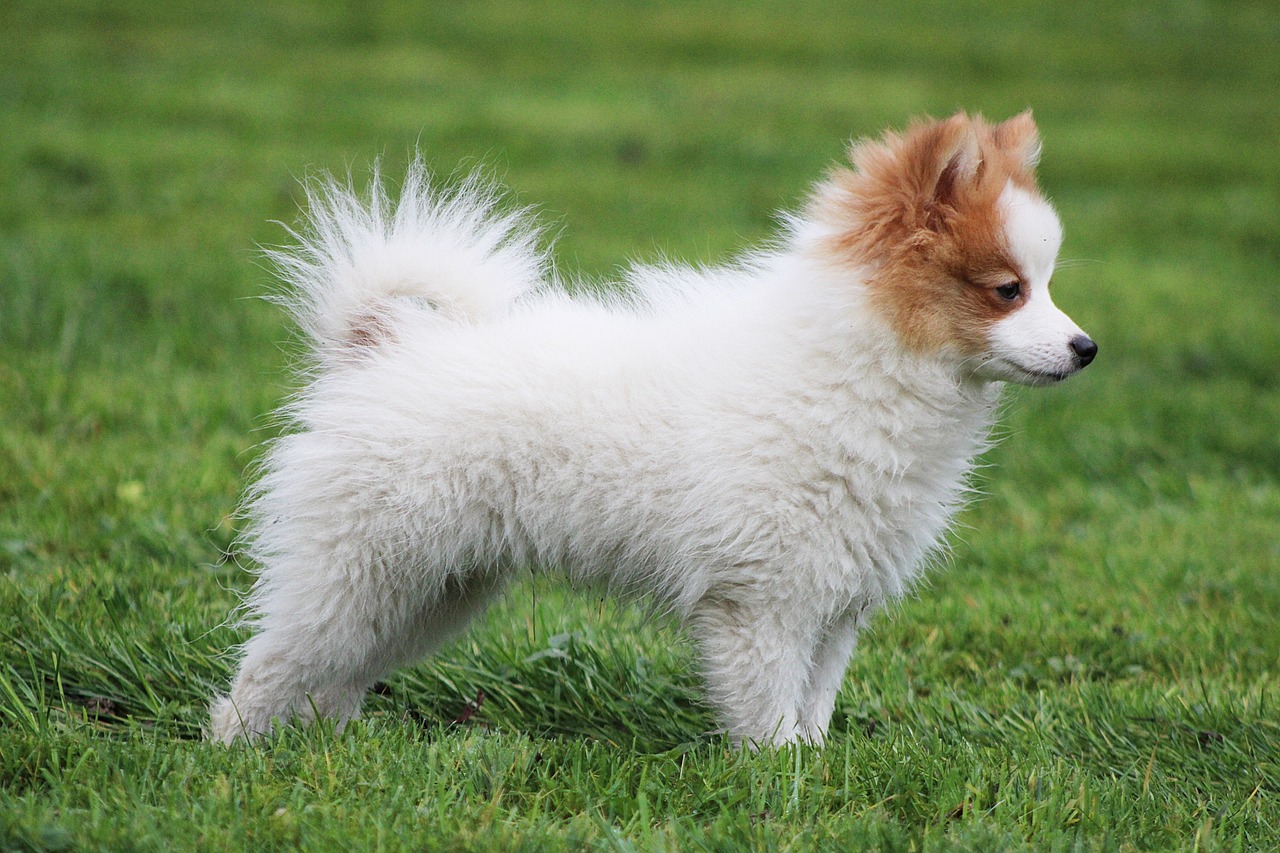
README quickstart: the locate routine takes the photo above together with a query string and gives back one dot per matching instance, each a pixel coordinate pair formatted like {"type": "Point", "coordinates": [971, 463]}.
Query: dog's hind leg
{"type": "Point", "coordinates": [317, 652]}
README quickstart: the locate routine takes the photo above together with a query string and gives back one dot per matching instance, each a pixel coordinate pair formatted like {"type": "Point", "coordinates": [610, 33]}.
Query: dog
{"type": "Point", "coordinates": [772, 449]}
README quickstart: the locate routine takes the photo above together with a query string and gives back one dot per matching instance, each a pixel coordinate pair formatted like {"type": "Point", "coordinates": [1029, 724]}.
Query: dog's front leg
{"type": "Point", "coordinates": [830, 662]}
{"type": "Point", "coordinates": [757, 658]}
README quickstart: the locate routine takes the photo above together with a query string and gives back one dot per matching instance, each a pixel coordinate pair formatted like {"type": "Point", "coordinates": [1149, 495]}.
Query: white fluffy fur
{"type": "Point", "coordinates": [750, 445]}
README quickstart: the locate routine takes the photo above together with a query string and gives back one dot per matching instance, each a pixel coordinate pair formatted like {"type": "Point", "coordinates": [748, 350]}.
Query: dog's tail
{"type": "Point", "coordinates": [360, 258]}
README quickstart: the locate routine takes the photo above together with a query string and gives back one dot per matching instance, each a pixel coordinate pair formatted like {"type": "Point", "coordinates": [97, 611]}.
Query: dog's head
{"type": "Point", "coordinates": [959, 246]}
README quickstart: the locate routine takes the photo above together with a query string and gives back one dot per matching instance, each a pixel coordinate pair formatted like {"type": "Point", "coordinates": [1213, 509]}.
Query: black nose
{"type": "Point", "coordinates": [1084, 348]}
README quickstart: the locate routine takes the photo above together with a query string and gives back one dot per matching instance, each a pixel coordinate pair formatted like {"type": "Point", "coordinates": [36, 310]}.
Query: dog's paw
{"type": "Point", "coordinates": [225, 723]}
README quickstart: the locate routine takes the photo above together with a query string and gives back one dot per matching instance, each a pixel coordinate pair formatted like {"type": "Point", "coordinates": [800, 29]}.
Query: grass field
{"type": "Point", "coordinates": [1097, 667]}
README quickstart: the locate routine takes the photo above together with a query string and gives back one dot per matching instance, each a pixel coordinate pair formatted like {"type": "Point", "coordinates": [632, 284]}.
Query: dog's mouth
{"type": "Point", "coordinates": [1015, 372]}
{"type": "Point", "coordinates": [1047, 377]}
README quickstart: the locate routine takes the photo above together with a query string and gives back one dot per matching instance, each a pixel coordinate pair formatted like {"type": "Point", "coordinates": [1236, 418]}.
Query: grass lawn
{"type": "Point", "coordinates": [1097, 666]}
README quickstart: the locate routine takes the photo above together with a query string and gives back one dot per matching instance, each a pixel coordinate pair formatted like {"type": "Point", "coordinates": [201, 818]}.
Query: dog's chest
{"type": "Point", "coordinates": [889, 490]}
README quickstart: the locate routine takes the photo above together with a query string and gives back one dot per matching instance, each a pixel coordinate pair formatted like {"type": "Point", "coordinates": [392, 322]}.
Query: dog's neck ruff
{"type": "Point", "coordinates": [904, 428]}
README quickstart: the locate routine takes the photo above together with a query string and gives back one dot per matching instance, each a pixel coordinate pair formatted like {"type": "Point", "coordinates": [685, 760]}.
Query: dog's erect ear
{"type": "Point", "coordinates": [1019, 138]}
{"type": "Point", "coordinates": [957, 161]}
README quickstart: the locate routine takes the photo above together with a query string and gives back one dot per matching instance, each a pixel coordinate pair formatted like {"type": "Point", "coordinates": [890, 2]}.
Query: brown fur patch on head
{"type": "Point", "coordinates": [919, 212]}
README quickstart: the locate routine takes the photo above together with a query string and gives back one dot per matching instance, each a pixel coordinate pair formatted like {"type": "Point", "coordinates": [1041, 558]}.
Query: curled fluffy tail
{"type": "Point", "coordinates": [452, 252]}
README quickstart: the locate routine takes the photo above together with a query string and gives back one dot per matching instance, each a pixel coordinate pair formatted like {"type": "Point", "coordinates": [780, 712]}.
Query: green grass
{"type": "Point", "coordinates": [1098, 667]}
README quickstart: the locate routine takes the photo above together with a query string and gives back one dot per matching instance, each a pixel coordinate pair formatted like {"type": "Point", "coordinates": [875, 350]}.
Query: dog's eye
{"type": "Point", "coordinates": [1010, 291]}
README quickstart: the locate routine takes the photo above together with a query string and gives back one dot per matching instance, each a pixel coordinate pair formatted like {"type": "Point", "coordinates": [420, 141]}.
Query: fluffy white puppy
{"type": "Point", "coordinates": [772, 449]}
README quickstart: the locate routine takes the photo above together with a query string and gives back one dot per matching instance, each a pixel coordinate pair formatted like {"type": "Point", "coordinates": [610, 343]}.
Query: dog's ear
{"type": "Point", "coordinates": [956, 163]}
{"type": "Point", "coordinates": [1019, 138]}
{"type": "Point", "coordinates": [904, 185]}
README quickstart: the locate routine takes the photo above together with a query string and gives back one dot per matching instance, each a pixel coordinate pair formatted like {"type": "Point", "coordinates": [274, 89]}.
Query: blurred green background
{"type": "Point", "coordinates": [1123, 568]}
